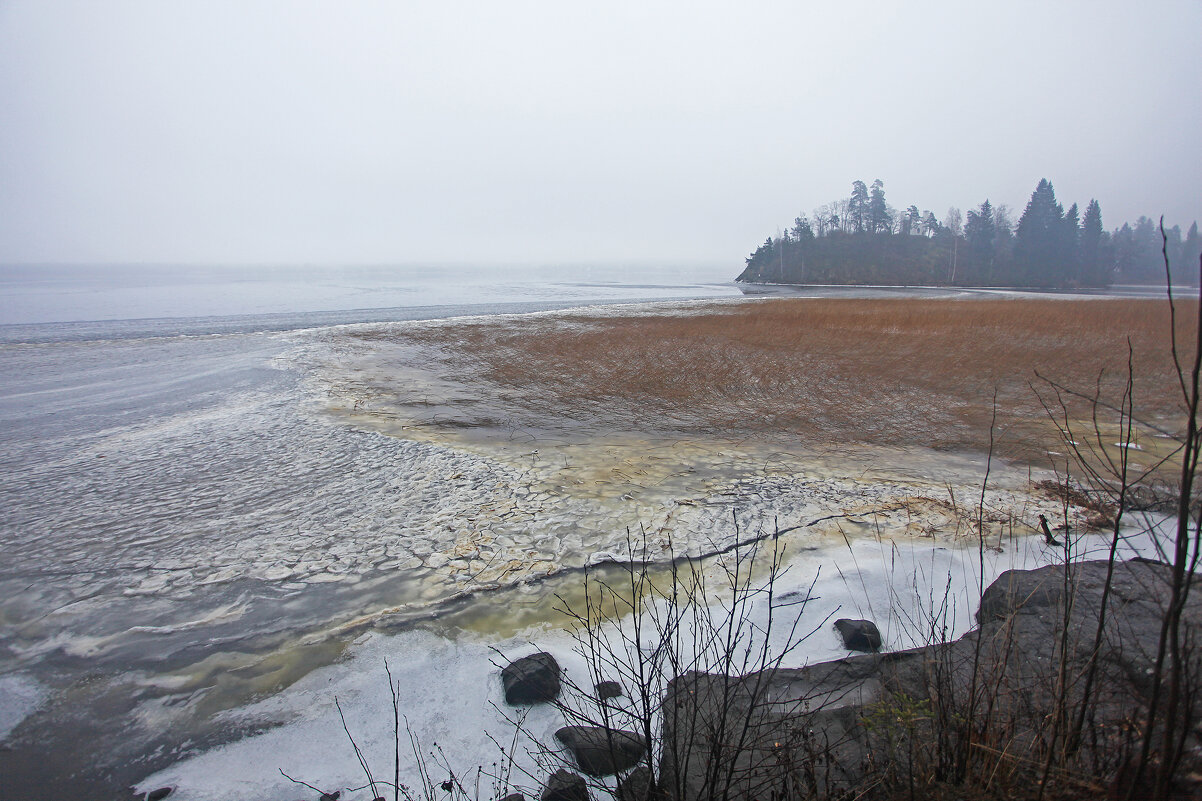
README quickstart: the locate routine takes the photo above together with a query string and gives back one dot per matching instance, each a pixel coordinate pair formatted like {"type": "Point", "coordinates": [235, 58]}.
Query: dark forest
{"type": "Point", "coordinates": [862, 239]}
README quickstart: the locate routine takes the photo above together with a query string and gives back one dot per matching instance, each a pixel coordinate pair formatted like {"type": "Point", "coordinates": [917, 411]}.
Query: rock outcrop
{"type": "Point", "coordinates": [823, 729]}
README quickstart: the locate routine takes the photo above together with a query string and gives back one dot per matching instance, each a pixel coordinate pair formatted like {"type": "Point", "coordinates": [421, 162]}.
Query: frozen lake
{"type": "Point", "coordinates": [171, 496]}
{"type": "Point", "coordinates": [187, 533]}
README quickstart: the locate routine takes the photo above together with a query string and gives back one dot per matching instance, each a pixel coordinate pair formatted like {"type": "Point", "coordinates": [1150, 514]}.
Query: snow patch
{"type": "Point", "coordinates": [20, 697]}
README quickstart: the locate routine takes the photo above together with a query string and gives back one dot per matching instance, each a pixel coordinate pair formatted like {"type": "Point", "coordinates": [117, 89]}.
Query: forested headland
{"type": "Point", "coordinates": [862, 239]}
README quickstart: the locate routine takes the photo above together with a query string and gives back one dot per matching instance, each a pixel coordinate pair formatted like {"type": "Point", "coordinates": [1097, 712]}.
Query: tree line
{"type": "Point", "coordinates": [861, 239]}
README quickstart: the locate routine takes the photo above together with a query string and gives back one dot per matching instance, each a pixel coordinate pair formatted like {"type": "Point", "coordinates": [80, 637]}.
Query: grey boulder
{"type": "Point", "coordinates": [859, 635]}
{"type": "Point", "coordinates": [600, 751]}
{"type": "Point", "coordinates": [563, 785]}
{"type": "Point", "coordinates": [608, 689]}
{"type": "Point", "coordinates": [532, 679]}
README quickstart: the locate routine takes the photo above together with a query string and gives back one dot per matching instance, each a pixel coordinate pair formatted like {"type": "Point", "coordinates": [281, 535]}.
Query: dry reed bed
{"type": "Point", "coordinates": [894, 372]}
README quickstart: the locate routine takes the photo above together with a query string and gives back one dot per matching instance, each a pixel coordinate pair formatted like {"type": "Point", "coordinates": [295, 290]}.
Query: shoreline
{"type": "Point", "coordinates": [451, 681]}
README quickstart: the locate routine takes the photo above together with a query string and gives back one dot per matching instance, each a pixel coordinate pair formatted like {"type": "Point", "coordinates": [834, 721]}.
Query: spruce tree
{"type": "Point", "coordinates": [981, 233]}
{"type": "Point", "coordinates": [1148, 266]}
{"type": "Point", "coordinates": [1175, 249]}
{"type": "Point", "coordinates": [1070, 240]}
{"type": "Point", "coordinates": [1191, 252]}
{"type": "Point", "coordinates": [1123, 246]}
{"type": "Point", "coordinates": [1092, 269]}
{"type": "Point", "coordinates": [1038, 241]}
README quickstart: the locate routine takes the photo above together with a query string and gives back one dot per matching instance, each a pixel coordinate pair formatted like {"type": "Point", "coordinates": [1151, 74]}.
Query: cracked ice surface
{"type": "Point", "coordinates": [183, 505]}
{"type": "Point", "coordinates": [250, 483]}
{"type": "Point", "coordinates": [689, 494]}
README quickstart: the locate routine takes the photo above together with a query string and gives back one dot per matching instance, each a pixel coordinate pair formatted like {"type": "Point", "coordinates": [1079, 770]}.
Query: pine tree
{"type": "Point", "coordinates": [801, 230]}
{"type": "Point", "coordinates": [879, 219]}
{"type": "Point", "coordinates": [930, 225]}
{"type": "Point", "coordinates": [857, 207]}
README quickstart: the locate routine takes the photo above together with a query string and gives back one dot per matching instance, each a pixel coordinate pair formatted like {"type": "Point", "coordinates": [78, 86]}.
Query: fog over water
{"type": "Point", "coordinates": [33, 294]}
{"type": "Point", "coordinates": [369, 132]}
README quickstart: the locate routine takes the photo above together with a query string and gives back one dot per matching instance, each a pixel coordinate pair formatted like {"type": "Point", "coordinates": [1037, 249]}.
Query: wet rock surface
{"type": "Point", "coordinates": [638, 785]}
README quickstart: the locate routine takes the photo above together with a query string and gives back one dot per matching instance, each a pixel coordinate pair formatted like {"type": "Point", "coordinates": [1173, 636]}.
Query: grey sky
{"type": "Point", "coordinates": [335, 132]}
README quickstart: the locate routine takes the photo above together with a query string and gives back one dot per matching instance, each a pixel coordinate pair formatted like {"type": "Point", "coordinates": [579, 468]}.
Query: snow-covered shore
{"type": "Point", "coordinates": [451, 690]}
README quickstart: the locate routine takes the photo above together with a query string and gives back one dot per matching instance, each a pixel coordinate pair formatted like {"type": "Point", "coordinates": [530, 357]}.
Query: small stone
{"type": "Point", "coordinates": [637, 786]}
{"type": "Point", "coordinates": [532, 679]}
{"type": "Point", "coordinates": [859, 635]}
{"type": "Point", "coordinates": [159, 794]}
{"type": "Point", "coordinates": [564, 785]}
{"type": "Point", "coordinates": [609, 689]}
{"type": "Point", "coordinates": [600, 751]}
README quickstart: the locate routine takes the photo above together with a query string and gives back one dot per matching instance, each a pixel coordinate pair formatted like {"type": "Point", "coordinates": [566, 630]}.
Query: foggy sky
{"type": "Point", "coordinates": [484, 131]}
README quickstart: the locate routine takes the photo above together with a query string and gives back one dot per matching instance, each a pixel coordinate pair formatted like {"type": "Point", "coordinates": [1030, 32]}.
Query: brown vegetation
{"type": "Point", "coordinates": [895, 372]}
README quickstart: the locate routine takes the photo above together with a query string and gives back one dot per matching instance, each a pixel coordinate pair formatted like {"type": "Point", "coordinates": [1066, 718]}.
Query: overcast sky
{"type": "Point", "coordinates": [482, 131]}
